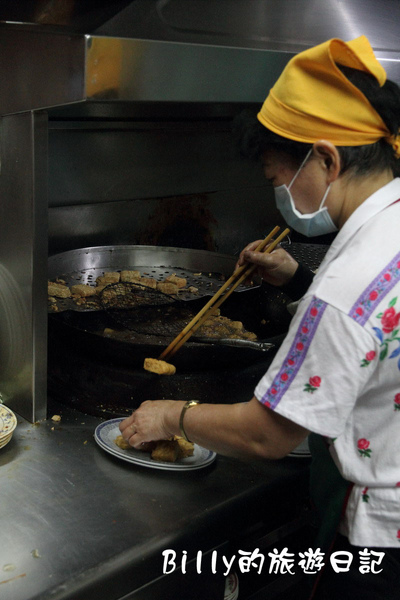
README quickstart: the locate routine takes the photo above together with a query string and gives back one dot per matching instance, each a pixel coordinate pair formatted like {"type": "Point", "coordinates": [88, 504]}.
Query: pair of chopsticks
{"type": "Point", "coordinates": [219, 297]}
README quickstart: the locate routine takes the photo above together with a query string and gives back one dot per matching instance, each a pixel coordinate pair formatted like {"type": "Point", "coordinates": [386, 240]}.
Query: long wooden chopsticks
{"type": "Point", "coordinates": [219, 297]}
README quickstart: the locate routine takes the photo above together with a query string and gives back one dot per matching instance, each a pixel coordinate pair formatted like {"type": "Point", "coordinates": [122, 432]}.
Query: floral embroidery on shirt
{"type": "Point", "coordinates": [364, 495]}
{"type": "Point", "coordinates": [390, 320]}
{"type": "Point", "coordinates": [313, 384]}
{"type": "Point", "coordinates": [398, 534]}
{"type": "Point", "coordinates": [397, 402]}
{"type": "Point", "coordinates": [363, 447]}
{"type": "Point", "coordinates": [369, 357]}
{"type": "Point", "coordinates": [297, 353]}
{"type": "Point", "coordinates": [375, 292]}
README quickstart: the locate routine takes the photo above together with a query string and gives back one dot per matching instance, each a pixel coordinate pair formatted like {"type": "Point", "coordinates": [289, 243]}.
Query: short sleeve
{"type": "Point", "coordinates": [321, 369]}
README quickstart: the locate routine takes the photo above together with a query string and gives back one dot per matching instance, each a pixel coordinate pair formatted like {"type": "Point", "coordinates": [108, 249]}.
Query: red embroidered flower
{"type": "Point", "coordinates": [390, 319]}
{"type": "Point", "coordinates": [313, 384]}
{"type": "Point", "coordinates": [290, 361]}
{"type": "Point", "coordinates": [373, 295]}
{"type": "Point", "coordinates": [370, 355]}
{"type": "Point", "coordinates": [387, 276]}
{"type": "Point", "coordinates": [300, 346]}
{"type": "Point", "coordinates": [364, 495]}
{"type": "Point", "coordinates": [363, 444]}
{"type": "Point", "coordinates": [284, 376]}
{"type": "Point", "coordinates": [397, 399]}
{"type": "Point", "coordinates": [304, 330]}
{"type": "Point", "coordinates": [315, 381]}
{"type": "Point", "coordinates": [363, 448]}
{"type": "Point", "coordinates": [313, 312]}
{"type": "Point", "coordinates": [398, 534]}
{"type": "Point", "coordinates": [398, 484]}
{"type": "Point", "coordinates": [360, 311]}
{"type": "Point", "coordinates": [273, 391]}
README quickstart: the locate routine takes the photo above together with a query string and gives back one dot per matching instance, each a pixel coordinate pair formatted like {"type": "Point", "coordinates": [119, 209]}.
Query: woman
{"type": "Point", "coordinates": [328, 136]}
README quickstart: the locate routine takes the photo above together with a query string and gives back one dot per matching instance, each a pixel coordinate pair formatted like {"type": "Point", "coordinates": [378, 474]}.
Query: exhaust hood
{"type": "Point", "coordinates": [196, 52]}
{"type": "Point", "coordinates": [45, 69]}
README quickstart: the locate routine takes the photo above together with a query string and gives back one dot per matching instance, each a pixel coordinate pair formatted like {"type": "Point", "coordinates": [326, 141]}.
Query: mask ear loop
{"type": "Point", "coordinates": [325, 196]}
{"type": "Point", "coordinates": [300, 168]}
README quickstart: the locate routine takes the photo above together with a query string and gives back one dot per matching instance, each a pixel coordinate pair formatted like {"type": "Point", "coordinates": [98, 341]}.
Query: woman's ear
{"type": "Point", "coordinates": [330, 158]}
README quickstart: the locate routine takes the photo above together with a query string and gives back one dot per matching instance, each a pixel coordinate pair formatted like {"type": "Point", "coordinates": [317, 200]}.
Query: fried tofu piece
{"type": "Point", "coordinates": [145, 447]}
{"type": "Point", "coordinates": [178, 281]}
{"type": "Point", "coordinates": [148, 282]}
{"type": "Point", "coordinates": [83, 290]}
{"type": "Point", "coordinates": [236, 325]}
{"type": "Point", "coordinates": [167, 288]}
{"type": "Point", "coordinates": [185, 448]}
{"type": "Point", "coordinates": [58, 290]}
{"type": "Point", "coordinates": [166, 450]}
{"type": "Point", "coordinates": [108, 296]}
{"type": "Point", "coordinates": [132, 276]}
{"type": "Point", "coordinates": [100, 288]}
{"type": "Point", "coordinates": [158, 366]}
{"type": "Point", "coordinates": [107, 278]}
{"type": "Point", "coordinates": [121, 443]}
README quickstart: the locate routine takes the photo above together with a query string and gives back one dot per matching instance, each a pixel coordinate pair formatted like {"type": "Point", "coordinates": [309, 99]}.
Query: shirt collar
{"type": "Point", "coordinates": [374, 204]}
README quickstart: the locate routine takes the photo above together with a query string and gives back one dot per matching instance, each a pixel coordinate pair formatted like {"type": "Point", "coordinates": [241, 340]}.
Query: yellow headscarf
{"type": "Point", "coordinates": [314, 100]}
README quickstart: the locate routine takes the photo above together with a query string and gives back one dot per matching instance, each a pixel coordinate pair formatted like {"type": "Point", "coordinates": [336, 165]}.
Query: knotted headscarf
{"type": "Point", "coordinates": [314, 100]}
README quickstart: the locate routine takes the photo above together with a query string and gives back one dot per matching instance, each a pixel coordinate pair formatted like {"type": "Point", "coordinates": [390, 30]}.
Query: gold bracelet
{"type": "Point", "coordinates": [186, 406]}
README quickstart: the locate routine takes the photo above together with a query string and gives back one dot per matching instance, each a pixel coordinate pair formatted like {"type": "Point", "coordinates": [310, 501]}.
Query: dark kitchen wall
{"type": "Point", "coordinates": [166, 183]}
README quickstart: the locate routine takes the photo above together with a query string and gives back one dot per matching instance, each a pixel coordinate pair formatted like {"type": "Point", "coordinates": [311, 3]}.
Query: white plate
{"type": "Point", "coordinates": [8, 421]}
{"type": "Point", "coordinates": [4, 441]}
{"type": "Point", "coordinates": [301, 451]}
{"type": "Point", "coordinates": [106, 433]}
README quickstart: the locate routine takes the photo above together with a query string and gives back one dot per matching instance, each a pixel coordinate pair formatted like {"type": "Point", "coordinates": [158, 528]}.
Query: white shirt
{"type": "Point", "coordinates": [338, 371]}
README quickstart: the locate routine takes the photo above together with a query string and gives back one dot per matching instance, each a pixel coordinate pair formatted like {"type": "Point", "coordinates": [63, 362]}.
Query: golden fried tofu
{"type": "Point", "coordinates": [167, 288]}
{"type": "Point", "coordinates": [121, 443]}
{"type": "Point", "coordinates": [158, 366]}
{"type": "Point", "coordinates": [145, 447]}
{"type": "Point", "coordinates": [107, 278]}
{"type": "Point", "coordinates": [178, 281]}
{"type": "Point", "coordinates": [148, 282]}
{"type": "Point", "coordinates": [185, 448]}
{"type": "Point", "coordinates": [236, 325]}
{"type": "Point", "coordinates": [83, 290]}
{"type": "Point", "coordinates": [58, 290]}
{"type": "Point", "coordinates": [130, 276]}
{"type": "Point", "coordinates": [166, 450]}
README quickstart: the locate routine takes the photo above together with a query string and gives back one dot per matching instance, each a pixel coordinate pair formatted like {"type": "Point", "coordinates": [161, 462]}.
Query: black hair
{"type": "Point", "coordinates": [254, 139]}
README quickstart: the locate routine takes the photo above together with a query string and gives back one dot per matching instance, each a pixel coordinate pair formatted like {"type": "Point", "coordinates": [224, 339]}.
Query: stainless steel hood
{"type": "Point", "coordinates": [47, 66]}
{"type": "Point", "coordinates": [45, 69]}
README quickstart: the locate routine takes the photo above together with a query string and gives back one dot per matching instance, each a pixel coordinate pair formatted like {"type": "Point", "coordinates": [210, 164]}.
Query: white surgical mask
{"type": "Point", "coordinates": [311, 224]}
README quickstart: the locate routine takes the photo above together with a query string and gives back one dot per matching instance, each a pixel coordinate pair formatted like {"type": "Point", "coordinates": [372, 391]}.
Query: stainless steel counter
{"type": "Point", "coordinates": [76, 523]}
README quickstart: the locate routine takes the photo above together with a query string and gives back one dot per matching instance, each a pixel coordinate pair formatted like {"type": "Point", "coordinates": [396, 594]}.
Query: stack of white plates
{"type": "Point", "coordinates": [8, 422]}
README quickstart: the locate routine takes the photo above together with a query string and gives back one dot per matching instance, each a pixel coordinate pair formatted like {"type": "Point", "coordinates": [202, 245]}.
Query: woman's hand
{"type": "Point", "coordinates": [152, 421]}
{"type": "Point", "coordinates": [276, 268]}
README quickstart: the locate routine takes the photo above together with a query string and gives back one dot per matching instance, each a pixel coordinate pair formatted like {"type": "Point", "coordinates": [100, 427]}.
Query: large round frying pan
{"type": "Point", "coordinates": [261, 309]}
